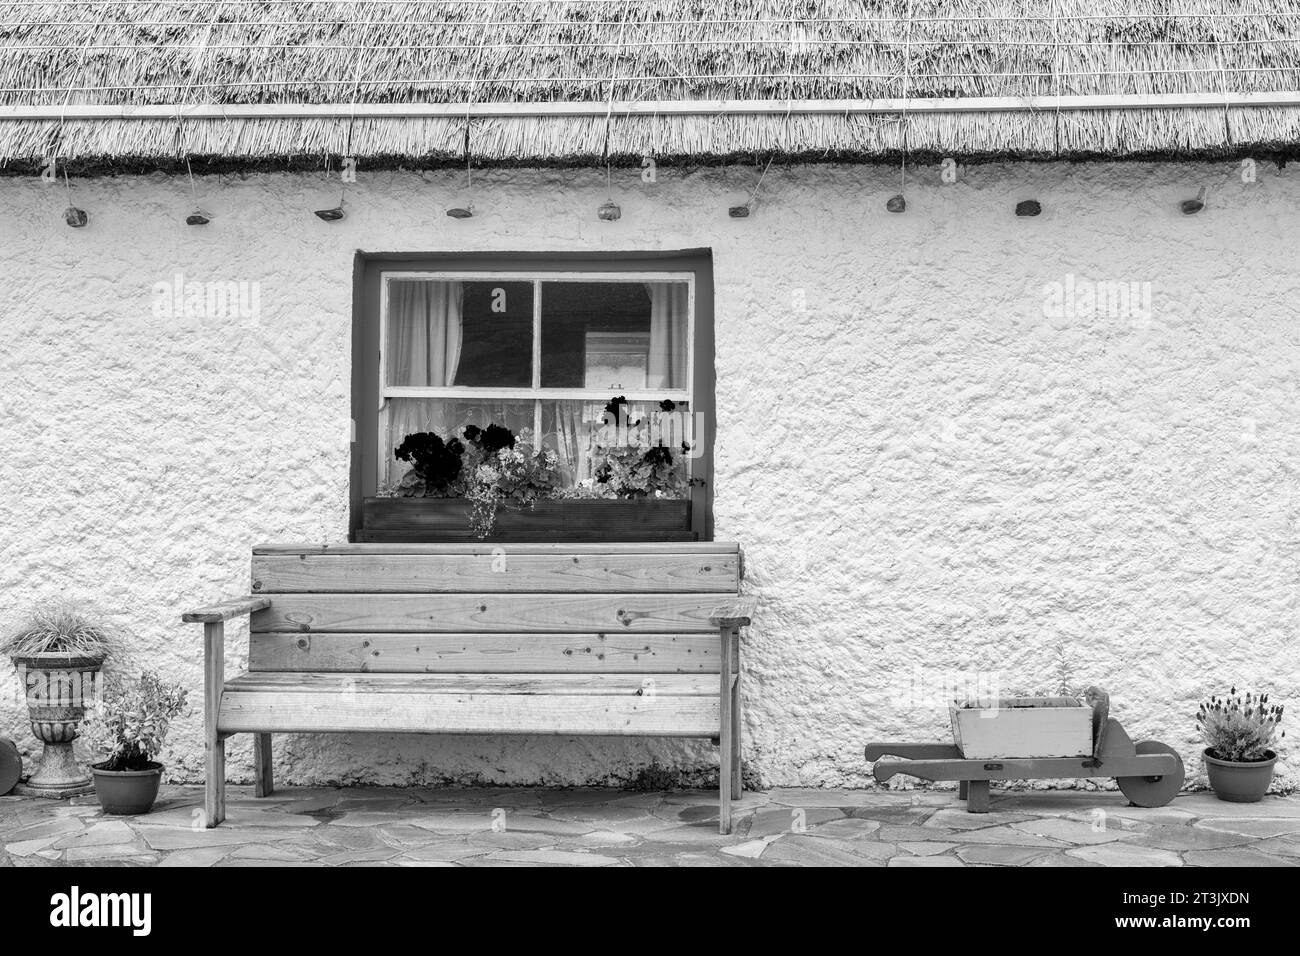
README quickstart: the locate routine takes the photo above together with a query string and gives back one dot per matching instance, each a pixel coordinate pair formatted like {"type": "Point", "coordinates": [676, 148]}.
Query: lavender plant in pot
{"type": "Point", "coordinates": [1240, 732]}
{"type": "Point", "coordinates": [58, 650]}
{"type": "Point", "coordinates": [128, 728]}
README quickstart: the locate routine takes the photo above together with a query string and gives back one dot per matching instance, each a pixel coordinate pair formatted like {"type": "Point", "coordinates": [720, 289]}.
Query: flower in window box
{"type": "Point", "coordinates": [435, 464]}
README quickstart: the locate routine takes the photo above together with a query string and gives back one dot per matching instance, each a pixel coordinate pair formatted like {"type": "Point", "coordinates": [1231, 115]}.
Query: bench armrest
{"type": "Point", "coordinates": [737, 613]}
{"type": "Point", "coordinates": [216, 613]}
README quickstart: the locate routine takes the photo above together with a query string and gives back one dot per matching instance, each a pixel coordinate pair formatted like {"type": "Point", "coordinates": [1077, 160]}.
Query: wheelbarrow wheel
{"type": "Point", "coordinates": [1153, 791]}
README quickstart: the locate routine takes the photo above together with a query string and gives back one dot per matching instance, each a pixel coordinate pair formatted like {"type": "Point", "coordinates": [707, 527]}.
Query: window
{"type": "Point", "coordinates": [540, 353]}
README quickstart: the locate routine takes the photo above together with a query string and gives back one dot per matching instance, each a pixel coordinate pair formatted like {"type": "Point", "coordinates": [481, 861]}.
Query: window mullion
{"type": "Point", "coordinates": [537, 361]}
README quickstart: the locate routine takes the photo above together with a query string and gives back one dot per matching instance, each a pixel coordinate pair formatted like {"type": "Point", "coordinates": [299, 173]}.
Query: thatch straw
{"type": "Point", "coordinates": [602, 51]}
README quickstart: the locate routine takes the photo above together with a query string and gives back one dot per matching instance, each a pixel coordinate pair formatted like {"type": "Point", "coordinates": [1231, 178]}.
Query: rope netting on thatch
{"type": "Point", "coordinates": [615, 52]}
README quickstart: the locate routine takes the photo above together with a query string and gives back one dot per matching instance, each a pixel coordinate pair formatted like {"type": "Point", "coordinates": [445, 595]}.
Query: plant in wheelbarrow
{"type": "Point", "coordinates": [58, 649]}
{"type": "Point", "coordinates": [128, 727]}
{"type": "Point", "coordinates": [1240, 733]}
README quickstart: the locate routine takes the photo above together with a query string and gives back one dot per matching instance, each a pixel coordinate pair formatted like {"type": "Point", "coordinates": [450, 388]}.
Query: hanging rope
{"type": "Point", "coordinates": [613, 77]}
{"type": "Point", "coordinates": [904, 122]}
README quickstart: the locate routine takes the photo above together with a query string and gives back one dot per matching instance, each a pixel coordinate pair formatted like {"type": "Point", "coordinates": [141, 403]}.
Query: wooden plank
{"type": "Point", "coordinates": [737, 783]}
{"type": "Point", "coordinates": [224, 611]}
{"type": "Point", "coordinates": [263, 780]}
{"type": "Point", "coordinates": [921, 751]}
{"type": "Point", "coordinates": [485, 653]}
{"type": "Point", "coordinates": [214, 756]}
{"type": "Point", "coordinates": [577, 714]}
{"type": "Point", "coordinates": [530, 547]}
{"type": "Point", "coordinates": [726, 741]}
{"type": "Point", "coordinates": [603, 685]}
{"type": "Point", "coordinates": [733, 612]}
{"type": "Point", "coordinates": [1049, 727]}
{"type": "Point", "coordinates": [498, 569]}
{"type": "Point", "coordinates": [501, 613]}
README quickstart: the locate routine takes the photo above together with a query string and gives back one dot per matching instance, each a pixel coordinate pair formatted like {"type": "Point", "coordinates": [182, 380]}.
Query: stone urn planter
{"type": "Point", "coordinates": [1240, 781]}
{"type": "Point", "coordinates": [58, 686]}
{"type": "Point", "coordinates": [123, 792]}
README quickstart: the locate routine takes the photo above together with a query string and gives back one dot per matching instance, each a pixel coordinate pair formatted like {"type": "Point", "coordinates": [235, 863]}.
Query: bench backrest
{"type": "Point", "coordinates": [519, 608]}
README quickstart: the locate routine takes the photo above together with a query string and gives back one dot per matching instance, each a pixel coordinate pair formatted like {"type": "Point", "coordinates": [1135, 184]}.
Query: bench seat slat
{"type": "Point", "coordinates": [611, 651]}
{"type": "Point", "coordinates": [660, 685]}
{"type": "Point", "coordinates": [500, 613]}
{"type": "Point", "coordinates": [379, 706]}
{"type": "Point", "coordinates": [489, 571]}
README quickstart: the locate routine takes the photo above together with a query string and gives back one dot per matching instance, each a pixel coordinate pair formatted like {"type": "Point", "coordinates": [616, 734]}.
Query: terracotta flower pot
{"type": "Point", "coordinates": [1240, 781]}
{"type": "Point", "coordinates": [127, 791]}
{"type": "Point", "coordinates": [58, 687]}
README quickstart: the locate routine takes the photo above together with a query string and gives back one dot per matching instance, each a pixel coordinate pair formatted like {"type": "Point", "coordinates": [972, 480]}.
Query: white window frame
{"type": "Point", "coordinates": [535, 392]}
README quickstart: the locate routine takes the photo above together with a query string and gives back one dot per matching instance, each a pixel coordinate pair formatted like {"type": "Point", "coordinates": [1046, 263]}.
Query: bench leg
{"type": "Point", "coordinates": [726, 730]}
{"type": "Point", "coordinates": [737, 785]}
{"type": "Point", "coordinates": [214, 762]}
{"type": "Point", "coordinates": [977, 796]}
{"type": "Point", "coordinates": [214, 790]}
{"type": "Point", "coordinates": [264, 783]}
{"type": "Point", "coordinates": [961, 790]}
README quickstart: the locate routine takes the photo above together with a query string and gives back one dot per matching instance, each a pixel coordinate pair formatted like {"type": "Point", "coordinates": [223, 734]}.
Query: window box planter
{"type": "Point", "coordinates": [1023, 727]}
{"type": "Point", "coordinates": [436, 520]}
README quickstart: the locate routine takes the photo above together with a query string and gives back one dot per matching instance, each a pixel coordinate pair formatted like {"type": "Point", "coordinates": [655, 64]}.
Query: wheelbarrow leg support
{"type": "Point", "coordinates": [977, 796]}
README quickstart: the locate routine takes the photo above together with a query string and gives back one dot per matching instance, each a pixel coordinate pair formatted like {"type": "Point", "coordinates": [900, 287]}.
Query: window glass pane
{"type": "Point", "coordinates": [607, 460]}
{"type": "Point", "coordinates": [443, 333]}
{"type": "Point", "coordinates": [616, 336]}
{"type": "Point", "coordinates": [445, 417]}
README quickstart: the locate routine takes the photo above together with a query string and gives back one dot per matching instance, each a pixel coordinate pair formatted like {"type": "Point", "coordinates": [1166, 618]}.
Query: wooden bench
{"type": "Point", "coordinates": [561, 639]}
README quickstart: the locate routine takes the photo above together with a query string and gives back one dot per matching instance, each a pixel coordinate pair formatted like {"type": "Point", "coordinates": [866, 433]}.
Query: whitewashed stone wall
{"type": "Point", "coordinates": [935, 481]}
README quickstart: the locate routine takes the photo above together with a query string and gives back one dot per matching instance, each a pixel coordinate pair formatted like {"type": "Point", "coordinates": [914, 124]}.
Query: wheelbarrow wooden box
{"type": "Point", "coordinates": [1022, 727]}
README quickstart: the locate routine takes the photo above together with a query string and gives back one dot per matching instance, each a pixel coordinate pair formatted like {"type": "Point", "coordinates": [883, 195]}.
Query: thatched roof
{"type": "Point", "coordinates": [581, 80]}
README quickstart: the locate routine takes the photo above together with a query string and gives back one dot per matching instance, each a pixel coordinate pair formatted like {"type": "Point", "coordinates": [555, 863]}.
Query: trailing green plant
{"type": "Point", "coordinates": [1240, 728]}
{"type": "Point", "coordinates": [61, 626]}
{"type": "Point", "coordinates": [129, 725]}
{"type": "Point", "coordinates": [513, 470]}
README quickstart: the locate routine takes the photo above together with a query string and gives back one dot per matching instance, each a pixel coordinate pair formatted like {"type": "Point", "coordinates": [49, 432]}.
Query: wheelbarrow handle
{"type": "Point", "coordinates": [915, 751]}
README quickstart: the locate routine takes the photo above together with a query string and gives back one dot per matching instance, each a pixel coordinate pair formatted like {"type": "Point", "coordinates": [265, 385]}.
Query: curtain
{"type": "Point", "coordinates": [669, 305]}
{"type": "Point", "coordinates": [423, 349]}
{"type": "Point", "coordinates": [566, 429]}
{"type": "Point", "coordinates": [424, 332]}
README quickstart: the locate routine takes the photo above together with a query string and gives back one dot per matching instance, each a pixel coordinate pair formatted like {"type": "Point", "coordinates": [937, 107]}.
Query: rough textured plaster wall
{"type": "Point", "coordinates": [935, 483]}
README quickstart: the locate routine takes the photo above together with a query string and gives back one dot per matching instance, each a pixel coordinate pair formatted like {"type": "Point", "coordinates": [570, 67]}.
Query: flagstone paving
{"type": "Point", "coordinates": [370, 826]}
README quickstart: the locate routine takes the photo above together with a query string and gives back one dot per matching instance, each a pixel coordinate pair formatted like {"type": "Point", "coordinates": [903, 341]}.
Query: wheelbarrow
{"type": "Point", "coordinates": [1149, 773]}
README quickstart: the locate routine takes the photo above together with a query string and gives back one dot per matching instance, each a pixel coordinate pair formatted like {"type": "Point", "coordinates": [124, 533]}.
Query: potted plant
{"type": "Point", "coordinates": [128, 727]}
{"type": "Point", "coordinates": [58, 651]}
{"type": "Point", "coordinates": [1240, 733]}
